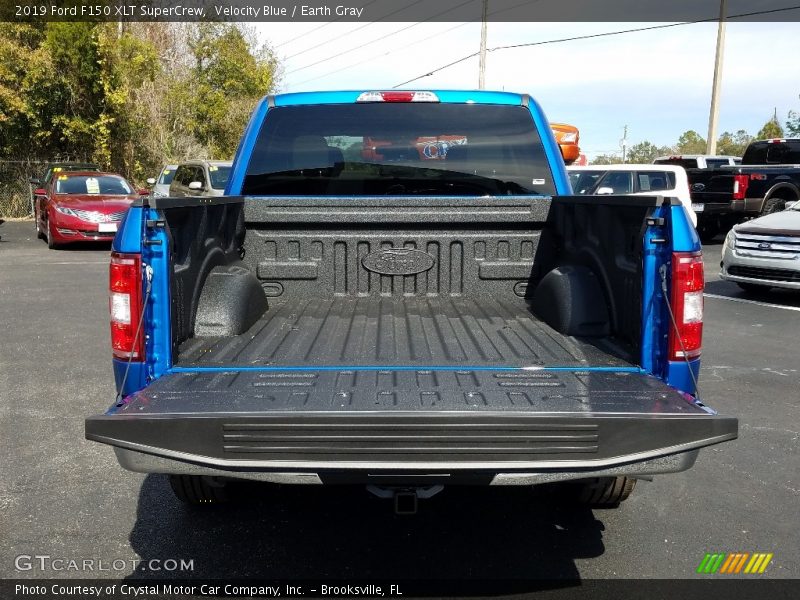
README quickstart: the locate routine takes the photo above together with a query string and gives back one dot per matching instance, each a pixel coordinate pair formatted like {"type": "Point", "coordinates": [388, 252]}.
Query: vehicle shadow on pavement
{"type": "Point", "coordinates": [778, 296]}
{"type": "Point", "coordinates": [345, 533]}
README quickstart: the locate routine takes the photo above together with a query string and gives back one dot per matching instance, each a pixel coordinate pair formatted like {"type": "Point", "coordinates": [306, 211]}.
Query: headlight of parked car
{"type": "Point", "coordinates": [730, 240]}
{"type": "Point", "coordinates": [66, 211]}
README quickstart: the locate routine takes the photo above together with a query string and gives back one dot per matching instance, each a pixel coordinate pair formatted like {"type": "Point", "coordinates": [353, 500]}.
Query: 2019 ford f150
{"type": "Point", "coordinates": [438, 310]}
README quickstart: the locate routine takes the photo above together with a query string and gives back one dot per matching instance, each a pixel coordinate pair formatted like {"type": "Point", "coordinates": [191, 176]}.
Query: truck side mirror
{"type": "Point", "coordinates": [40, 192]}
{"type": "Point", "coordinates": [151, 181]}
{"type": "Point", "coordinates": [195, 185]}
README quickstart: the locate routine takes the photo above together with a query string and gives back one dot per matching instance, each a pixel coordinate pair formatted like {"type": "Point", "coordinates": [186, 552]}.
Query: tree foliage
{"type": "Point", "coordinates": [691, 142]}
{"type": "Point", "coordinates": [733, 144]}
{"type": "Point", "coordinates": [129, 96]}
{"type": "Point", "coordinates": [607, 159]}
{"type": "Point", "coordinates": [771, 129]}
{"type": "Point", "coordinates": [646, 152]}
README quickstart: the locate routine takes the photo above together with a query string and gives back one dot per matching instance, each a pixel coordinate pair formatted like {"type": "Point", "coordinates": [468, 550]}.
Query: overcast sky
{"type": "Point", "coordinates": [656, 82]}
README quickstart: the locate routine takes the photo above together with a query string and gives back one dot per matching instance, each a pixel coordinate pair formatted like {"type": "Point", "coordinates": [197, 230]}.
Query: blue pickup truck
{"type": "Point", "coordinates": [399, 290]}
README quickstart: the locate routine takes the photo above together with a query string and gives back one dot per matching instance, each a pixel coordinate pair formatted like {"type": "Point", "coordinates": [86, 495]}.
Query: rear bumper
{"type": "Point", "coordinates": [576, 423]}
{"type": "Point", "coordinates": [140, 462]}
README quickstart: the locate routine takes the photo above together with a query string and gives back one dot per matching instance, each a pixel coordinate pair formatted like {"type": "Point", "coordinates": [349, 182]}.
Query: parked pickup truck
{"type": "Point", "coordinates": [406, 322]}
{"type": "Point", "coordinates": [767, 180]}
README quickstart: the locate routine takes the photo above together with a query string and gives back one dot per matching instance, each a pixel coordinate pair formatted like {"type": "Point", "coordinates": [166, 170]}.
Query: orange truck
{"type": "Point", "coordinates": [568, 138]}
{"type": "Point", "coordinates": [435, 148]}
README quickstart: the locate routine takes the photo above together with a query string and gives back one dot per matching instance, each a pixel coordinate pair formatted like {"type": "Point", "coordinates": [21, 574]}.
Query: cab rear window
{"type": "Point", "coordinates": [399, 149]}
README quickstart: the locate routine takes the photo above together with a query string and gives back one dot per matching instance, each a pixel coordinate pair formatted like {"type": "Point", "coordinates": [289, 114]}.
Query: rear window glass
{"type": "Point", "coordinates": [686, 163]}
{"type": "Point", "coordinates": [399, 149]}
{"type": "Point", "coordinates": [103, 184]}
{"type": "Point", "coordinates": [762, 153]}
{"type": "Point", "coordinates": [715, 163]}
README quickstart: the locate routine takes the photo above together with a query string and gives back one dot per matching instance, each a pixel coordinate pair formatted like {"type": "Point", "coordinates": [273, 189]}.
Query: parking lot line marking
{"type": "Point", "coordinates": [745, 301]}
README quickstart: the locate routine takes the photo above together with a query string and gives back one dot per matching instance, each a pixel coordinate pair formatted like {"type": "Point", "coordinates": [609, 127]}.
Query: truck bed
{"type": "Point", "coordinates": [405, 331]}
{"type": "Point", "coordinates": [348, 358]}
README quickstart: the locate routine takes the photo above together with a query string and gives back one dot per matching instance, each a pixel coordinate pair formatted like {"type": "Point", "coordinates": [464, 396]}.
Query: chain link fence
{"type": "Point", "coordinates": [15, 188]}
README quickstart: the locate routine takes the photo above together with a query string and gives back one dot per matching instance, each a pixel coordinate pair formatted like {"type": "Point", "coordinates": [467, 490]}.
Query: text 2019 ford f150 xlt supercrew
{"type": "Point", "coordinates": [408, 316]}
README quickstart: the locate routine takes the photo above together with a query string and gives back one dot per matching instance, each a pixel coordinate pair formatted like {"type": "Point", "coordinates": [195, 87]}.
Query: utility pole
{"type": "Point", "coordinates": [711, 144]}
{"type": "Point", "coordinates": [624, 143]}
{"type": "Point", "coordinates": [482, 61]}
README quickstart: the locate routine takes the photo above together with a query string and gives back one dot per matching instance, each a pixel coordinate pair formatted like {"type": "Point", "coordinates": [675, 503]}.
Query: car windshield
{"type": "Point", "coordinates": [399, 149]}
{"type": "Point", "coordinates": [86, 184]}
{"type": "Point", "coordinates": [583, 182]}
{"type": "Point", "coordinates": [219, 176]}
{"type": "Point", "coordinates": [166, 176]}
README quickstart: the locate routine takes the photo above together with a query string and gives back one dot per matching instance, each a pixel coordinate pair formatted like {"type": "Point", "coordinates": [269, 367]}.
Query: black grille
{"type": "Point", "coordinates": [769, 274]}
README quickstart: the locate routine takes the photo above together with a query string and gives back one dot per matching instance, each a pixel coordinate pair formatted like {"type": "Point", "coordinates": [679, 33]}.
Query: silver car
{"type": "Point", "coordinates": [161, 185]}
{"type": "Point", "coordinates": [765, 252]}
{"type": "Point", "coordinates": [200, 178]}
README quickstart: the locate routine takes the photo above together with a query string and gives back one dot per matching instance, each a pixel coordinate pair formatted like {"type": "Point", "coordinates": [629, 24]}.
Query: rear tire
{"type": "Point", "coordinates": [773, 205]}
{"type": "Point", "coordinates": [753, 287]}
{"type": "Point", "coordinates": [605, 492]}
{"type": "Point", "coordinates": [197, 490]}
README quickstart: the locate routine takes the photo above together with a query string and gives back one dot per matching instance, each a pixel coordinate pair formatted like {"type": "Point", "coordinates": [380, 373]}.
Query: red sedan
{"type": "Point", "coordinates": [82, 206]}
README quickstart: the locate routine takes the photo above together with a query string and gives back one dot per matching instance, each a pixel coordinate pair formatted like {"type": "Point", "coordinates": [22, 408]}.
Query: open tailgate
{"type": "Point", "coordinates": [269, 419]}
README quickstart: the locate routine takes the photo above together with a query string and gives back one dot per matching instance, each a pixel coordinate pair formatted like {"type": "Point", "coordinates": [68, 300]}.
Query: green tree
{"type": "Point", "coordinates": [733, 144]}
{"type": "Point", "coordinates": [231, 73]}
{"type": "Point", "coordinates": [646, 152]}
{"type": "Point", "coordinates": [690, 142]}
{"type": "Point", "coordinates": [18, 49]}
{"type": "Point", "coordinates": [793, 123]}
{"type": "Point", "coordinates": [606, 159]}
{"type": "Point", "coordinates": [771, 129]}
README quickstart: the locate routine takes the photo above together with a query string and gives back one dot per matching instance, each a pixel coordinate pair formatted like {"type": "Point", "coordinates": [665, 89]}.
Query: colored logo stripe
{"type": "Point", "coordinates": [758, 563]}
{"type": "Point", "coordinates": [734, 562]}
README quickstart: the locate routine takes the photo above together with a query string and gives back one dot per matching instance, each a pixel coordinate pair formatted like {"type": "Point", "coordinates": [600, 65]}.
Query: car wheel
{"type": "Point", "coordinates": [39, 233]}
{"type": "Point", "coordinates": [198, 490]}
{"type": "Point", "coordinates": [753, 287]}
{"type": "Point", "coordinates": [51, 243]}
{"type": "Point", "coordinates": [773, 205]}
{"type": "Point", "coordinates": [605, 492]}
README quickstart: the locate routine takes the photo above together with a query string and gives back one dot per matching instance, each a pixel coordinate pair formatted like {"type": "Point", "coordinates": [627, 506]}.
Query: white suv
{"type": "Point", "coordinates": [634, 180]}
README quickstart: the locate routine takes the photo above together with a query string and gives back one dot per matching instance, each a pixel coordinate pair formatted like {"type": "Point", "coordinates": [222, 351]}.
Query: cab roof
{"type": "Point", "coordinates": [444, 96]}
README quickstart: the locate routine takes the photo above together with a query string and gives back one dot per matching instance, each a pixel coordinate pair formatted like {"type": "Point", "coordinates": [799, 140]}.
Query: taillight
{"type": "Point", "coordinates": [125, 305]}
{"type": "Point", "coordinates": [397, 97]}
{"type": "Point", "coordinates": [740, 183]}
{"type": "Point", "coordinates": [687, 305]}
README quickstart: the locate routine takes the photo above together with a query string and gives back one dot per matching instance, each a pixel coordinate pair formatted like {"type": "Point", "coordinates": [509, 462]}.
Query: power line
{"type": "Point", "coordinates": [352, 31]}
{"type": "Point", "coordinates": [595, 35]}
{"type": "Point", "coordinates": [331, 22]}
{"type": "Point", "coordinates": [380, 39]}
{"type": "Point", "coordinates": [385, 54]}
{"type": "Point", "coordinates": [390, 52]}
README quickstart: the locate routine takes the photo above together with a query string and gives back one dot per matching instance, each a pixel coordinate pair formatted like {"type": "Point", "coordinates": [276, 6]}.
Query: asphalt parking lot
{"type": "Point", "coordinates": [65, 497]}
